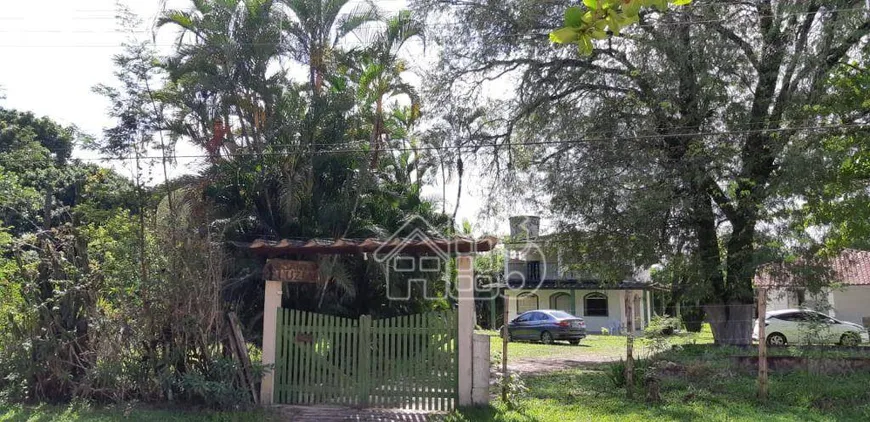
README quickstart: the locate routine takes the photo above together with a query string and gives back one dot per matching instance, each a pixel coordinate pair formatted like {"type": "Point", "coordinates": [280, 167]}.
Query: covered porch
{"type": "Point", "coordinates": [602, 306]}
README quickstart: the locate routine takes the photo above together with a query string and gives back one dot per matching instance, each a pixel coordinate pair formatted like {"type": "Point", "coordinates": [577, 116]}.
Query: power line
{"type": "Point", "coordinates": [306, 150]}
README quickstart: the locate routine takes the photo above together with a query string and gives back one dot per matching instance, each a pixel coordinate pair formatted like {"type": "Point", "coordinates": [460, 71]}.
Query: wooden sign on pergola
{"type": "Point", "coordinates": [287, 271]}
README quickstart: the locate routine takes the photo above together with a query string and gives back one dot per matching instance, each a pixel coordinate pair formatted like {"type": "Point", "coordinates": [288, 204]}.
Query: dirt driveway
{"type": "Point", "coordinates": [536, 357]}
{"type": "Point", "coordinates": [541, 365]}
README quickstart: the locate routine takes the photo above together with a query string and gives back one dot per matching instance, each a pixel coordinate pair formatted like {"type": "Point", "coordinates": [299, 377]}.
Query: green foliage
{"type": "Point", "coordinates": [515, 387]}
{"type": "Point", "coordinates": [616, 372]}
{"type": "Point", "coordinates": [839, 202]}
{"type": "Point", "coordinates": [662, 326]}
{"type": "Point", "coordinates": [214, 387]}
{"type": "Point", "coordinates": [693, 318]}
{"type": "Point", "coordinates": [601, 19]}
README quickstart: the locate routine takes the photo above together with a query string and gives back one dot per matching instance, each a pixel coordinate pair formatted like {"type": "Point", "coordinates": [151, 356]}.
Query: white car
{"type": "Point", "coordinates": [791, 326]}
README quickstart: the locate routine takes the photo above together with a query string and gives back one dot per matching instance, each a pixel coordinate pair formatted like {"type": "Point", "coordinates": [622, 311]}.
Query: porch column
{"type": "Point", "coordinates": [271, 303]}
{"type": "Point", "coordinates": [465, 343]}
{"type": "Point", "coordinates": [638, 310]}
{"type": "Point", "coordinates": [649, 306]}
{"type": "Point", "coordinates": [573, 302]}
{"type": "Point", "coordinates": [623, 311]}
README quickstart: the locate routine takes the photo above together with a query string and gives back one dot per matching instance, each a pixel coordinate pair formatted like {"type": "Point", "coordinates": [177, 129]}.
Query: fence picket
{"type": "Point", "coordinates": [406, 361]}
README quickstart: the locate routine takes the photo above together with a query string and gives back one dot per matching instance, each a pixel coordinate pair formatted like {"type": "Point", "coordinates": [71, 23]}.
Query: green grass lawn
{"type": "Point", "coordinates": [581, 395]}
{"type": "Point", "coordinates": [705, 386]}
{"type": "Point", "coordinates": [80, 413]}
{"type": "Point", "coordinates": [593, 347]}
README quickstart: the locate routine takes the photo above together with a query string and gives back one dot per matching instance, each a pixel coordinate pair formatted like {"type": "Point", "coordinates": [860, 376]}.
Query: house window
{"type": "Point", "coordinates": [404, 264]}
{"type": "Point", "coordinates": [561, 301]}
{"type": "Point", "coordinates": [430, 264]}
{"type": "Point", "coordinates": [527, 302]}
{"type": "Point", "coordinates": [533, 270]}
{"type": "Point", "coordinates": [595, 304]}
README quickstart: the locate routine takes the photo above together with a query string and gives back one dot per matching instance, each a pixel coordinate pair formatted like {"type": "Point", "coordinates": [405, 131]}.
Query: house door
{"type": "Point", "coordinates": [408, 362]}
{"type": "Point", "coordinates": [562, 302]}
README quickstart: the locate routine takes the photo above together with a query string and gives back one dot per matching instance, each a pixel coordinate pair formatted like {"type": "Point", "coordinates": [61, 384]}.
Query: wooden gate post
{"type": "Point", "coordinates": [271, 303]}
{"type": "Point", "coordinates": [364, 349]}
{"type": "Point", "coordinates": [504, 349]}
{"type": "Point", "coordinates": [465, 343]}
{"type": "Point", "coordinates": [762, 344]}
{"type": "Point", "coordinates": [629, 345]}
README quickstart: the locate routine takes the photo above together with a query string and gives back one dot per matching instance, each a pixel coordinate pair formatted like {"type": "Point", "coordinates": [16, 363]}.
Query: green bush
{"type": "Point", "coordinates": [616, 372]}
{"type": "Point", "coordinates": [215, 387]}
{"type": "Point", "coordinates": [693, 319]}
{"type": "Point", "coordinates": [660, 326]}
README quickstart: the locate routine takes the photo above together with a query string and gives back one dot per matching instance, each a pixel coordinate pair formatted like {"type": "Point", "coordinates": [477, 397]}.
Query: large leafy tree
{"type": "Point", "coordinates": [328, 157]}
{"type": "Point", "coordinates": [671, 139]}
{"type": "Point", "coordinates": [838, 205]}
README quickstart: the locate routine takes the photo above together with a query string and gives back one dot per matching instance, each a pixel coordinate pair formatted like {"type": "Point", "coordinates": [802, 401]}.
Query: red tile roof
{"type": "Point", "coordinates": [851, 268]}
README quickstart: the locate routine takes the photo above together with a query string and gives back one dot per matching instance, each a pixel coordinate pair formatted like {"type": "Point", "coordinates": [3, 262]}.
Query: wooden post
{"type": "Point", "coordinates": [504, 350]}
{"type": "Point", "coordinates": [271, 303]}
{"type": "Point", "coordinates": [240, 350]}
{"type": "Point", "coordinates": [762, 344]}
{"type": "Point", "coordinates": [629, 345]}
{"type": "Point", "coordinates": [492, 311]}
{"type": "Point", "coordinates": [465, 292]}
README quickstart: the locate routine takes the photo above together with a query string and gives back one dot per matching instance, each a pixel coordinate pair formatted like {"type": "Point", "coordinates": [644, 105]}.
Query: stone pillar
{"type": "Point", "coordinates": [480, 380]}
{"type": "Point", "coordinates": [465, 344]}
{"type": "Point", "coordinates": [271, 303]}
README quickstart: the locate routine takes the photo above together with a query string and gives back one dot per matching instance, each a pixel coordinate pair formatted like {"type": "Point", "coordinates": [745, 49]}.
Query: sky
{"type": "Point", "coordinates": [53, 52]}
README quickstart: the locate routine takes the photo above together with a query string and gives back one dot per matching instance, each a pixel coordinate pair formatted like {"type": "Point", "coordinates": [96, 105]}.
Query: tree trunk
{"type": "Point", "coordinates": [731, 323]}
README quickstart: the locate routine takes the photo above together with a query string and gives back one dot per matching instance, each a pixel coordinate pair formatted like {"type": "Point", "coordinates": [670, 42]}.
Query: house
{"type": "Point", "coordinates": [536, 279]}
{"type": "Point", "coordinates": [848, 298]}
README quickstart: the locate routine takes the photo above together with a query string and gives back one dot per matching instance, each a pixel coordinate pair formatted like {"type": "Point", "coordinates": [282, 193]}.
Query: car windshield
{"type": "Point", "coordinates": [561, 315]}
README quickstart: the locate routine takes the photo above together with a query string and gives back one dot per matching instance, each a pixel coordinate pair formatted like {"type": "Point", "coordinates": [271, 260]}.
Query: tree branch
{"type": "Point", "coordinates": [740, 42]}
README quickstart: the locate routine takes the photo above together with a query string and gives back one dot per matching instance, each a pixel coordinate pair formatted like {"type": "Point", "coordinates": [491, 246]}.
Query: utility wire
{"type": "Point", "coordinates": [301, 149]}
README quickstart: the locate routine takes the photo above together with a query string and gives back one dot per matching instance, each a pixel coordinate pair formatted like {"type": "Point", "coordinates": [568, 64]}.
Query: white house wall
{"type": "Point", "coordinates": [593, 324]}
{"type": "Point", "coordinates": [852, 303]}
{"type": "Point", "coordinates": [777, 299]}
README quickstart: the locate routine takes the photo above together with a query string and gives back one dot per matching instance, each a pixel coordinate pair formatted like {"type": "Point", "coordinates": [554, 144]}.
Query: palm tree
{"type": "Point", "coordinates": [380, 70]}
{"type": "Point", "coordinates": [220, 70]}
{"type": "Point", "coordinates": [316, 27]}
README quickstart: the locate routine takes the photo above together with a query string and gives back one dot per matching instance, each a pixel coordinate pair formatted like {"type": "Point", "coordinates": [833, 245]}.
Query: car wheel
{"type": "Point", "coordinates": [574, 342]}
{"type": "Point", "coordinates": [776, 339]}
{"type": "Point", "coordinates": [850, 339]}
{"type": "Point", "coordinates": [546, 337]}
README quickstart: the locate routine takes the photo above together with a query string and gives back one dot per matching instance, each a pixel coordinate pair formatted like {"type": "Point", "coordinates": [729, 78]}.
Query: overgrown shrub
{"type": "Point", "coordinates": [86, 320]}
{"type": "Point", "coordinates": [693, 319]}
{"type": "Point", "coordinates": [616, 372]}
{"type": "Point", "coordinates": [661, 326]}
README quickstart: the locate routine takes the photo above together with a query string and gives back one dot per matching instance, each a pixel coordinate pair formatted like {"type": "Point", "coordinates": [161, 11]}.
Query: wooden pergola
{"type": "Point", "coordinates": [463, 248]}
